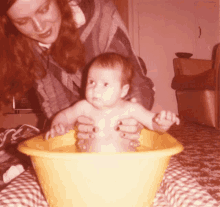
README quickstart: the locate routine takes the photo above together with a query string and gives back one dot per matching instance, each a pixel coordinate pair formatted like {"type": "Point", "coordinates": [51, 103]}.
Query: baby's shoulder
{"type": "Point", "coordinates": [129, 106]}
{"type": "Point", "coordinates": [83, 104]}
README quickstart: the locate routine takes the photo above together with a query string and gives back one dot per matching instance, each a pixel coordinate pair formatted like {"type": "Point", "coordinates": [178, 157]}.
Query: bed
{"type": "Point", "coordinates": [191, 179]}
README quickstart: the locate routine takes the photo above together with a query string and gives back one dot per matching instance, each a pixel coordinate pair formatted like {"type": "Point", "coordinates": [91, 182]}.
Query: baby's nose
{"type": "Point", "coordinates": [97, 89]}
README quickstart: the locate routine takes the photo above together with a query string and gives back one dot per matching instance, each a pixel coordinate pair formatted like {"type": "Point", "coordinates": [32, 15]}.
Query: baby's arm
{"type": "Point", "coordinates": [64, 120]}
{"type": "Point", "coordinates": [159, 122]}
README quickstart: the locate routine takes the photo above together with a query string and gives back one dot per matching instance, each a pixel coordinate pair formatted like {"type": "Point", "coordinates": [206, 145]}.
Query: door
{"type": "Point", "coordinates": [162, 28]}
{"type": "Point", "coordinates": [206, 23]}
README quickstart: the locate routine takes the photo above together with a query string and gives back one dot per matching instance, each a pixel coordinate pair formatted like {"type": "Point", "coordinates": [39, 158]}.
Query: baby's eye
{"type": "Point", "coordinates": [106, 84]}
{"type": "Point", "coordinates": [91, 82]}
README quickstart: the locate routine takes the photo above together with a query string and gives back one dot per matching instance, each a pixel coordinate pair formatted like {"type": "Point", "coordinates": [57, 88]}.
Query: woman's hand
{"type": "Point", "coordinates": [85, 127]}
{"type": "Point", "coordinates": [85, 130]}
{"type": "Point", "coordinates": [130, 129]}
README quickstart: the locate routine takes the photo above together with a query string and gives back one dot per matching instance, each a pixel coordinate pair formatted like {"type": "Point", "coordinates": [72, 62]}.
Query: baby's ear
{"type": "Point", "coordinates": [125, 89]}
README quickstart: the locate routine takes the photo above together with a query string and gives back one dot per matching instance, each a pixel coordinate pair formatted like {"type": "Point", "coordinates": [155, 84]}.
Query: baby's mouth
{"type": "Point", "coordinates": [96, 99]}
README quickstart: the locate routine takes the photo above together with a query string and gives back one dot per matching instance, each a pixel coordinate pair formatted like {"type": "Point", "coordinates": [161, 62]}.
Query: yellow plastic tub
{"type": "Point", "coordinates": [72, 179]}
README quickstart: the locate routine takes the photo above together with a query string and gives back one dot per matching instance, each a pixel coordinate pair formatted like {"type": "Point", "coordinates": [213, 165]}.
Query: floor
{"type": "Point", "coordinates": [201, 154]}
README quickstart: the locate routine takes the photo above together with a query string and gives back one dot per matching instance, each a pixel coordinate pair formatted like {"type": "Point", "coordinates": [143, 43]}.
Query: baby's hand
{"type": "Point", "coordinates": [57, 130]}
{"type": "Point", "coordinates": [165, 119]}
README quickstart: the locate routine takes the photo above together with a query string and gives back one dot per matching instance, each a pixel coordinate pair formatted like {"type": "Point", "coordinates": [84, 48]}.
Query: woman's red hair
{"type": "Point", "coordinates": [19, 66]}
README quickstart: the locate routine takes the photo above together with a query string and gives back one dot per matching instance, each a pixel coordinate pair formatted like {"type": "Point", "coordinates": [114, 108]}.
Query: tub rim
{"type": "Point", "coordinates": [23, 147]}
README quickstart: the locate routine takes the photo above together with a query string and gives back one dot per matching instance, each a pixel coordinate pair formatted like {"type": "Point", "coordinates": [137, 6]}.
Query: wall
{"type": "Point", "coordinates": [206, 27]}
{"type": "Point", "coordinates": [163, 27]}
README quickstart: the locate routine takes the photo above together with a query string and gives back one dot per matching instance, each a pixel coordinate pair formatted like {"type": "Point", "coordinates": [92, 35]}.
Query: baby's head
{"type": "Point", "coordinates": [115, 62]}
{"type": "Point", "coordinates": [109, 79]}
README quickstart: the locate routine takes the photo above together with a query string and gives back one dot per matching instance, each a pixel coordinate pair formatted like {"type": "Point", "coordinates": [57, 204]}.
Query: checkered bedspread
{"type": "Point", "coordinates": [179, 188]}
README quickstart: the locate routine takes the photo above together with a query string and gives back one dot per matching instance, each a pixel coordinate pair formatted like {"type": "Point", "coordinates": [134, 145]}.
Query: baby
{"type": "Point", "coordinates": [108, 82]}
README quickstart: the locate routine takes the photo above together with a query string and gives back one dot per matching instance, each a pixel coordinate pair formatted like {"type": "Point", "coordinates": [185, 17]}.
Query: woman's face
{"type": "Point", "coordinates": [37, 19]}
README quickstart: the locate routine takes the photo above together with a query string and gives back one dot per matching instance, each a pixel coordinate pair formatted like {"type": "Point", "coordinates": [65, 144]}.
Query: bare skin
{"type": "Point", "coordinates": [128, 128]}
{"type": "Point", "coordinates": [105, 105]}
{"type": "Point", "coordinates": [107, 139]}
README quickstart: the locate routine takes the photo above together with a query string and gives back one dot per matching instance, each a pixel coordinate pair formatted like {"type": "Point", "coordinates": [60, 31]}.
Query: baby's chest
{"type": "Point", "coordinates": [105, 121]}
{"type": "Point", "coordinates": [109, 120]}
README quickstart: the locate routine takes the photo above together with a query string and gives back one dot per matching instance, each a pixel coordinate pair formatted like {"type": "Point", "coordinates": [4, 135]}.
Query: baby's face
{"type": "Point", "coordinates": [103, 89]}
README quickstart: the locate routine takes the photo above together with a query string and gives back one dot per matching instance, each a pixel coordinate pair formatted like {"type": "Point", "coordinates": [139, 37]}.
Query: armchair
{"type": "Point", "coordinates": [196, 83]}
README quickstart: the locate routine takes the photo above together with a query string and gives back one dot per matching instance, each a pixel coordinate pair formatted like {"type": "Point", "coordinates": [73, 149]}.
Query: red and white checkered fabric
{"type": "Point", "coordinates": [178, 189]}
{"type": "Point", "coordinates": [181, 189]}
{"type": "Point", "coordinates": [24, 191]}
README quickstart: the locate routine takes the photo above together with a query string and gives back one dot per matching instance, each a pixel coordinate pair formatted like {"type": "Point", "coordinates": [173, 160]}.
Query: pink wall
{"type": "Point", "coordinates": [167, 27]}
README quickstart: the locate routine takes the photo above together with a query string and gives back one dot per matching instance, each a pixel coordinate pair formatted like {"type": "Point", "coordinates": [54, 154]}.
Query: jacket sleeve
{"type": "Point", "coordinates": [107, 33]}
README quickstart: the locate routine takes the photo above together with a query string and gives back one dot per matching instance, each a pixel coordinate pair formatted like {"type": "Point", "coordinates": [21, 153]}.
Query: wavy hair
{"type": "Point", "coordinates": [19, 66]}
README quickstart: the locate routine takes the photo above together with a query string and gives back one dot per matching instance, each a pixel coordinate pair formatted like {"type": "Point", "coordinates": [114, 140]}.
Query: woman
{"type": "Point", "coordinates": [48, 43]}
